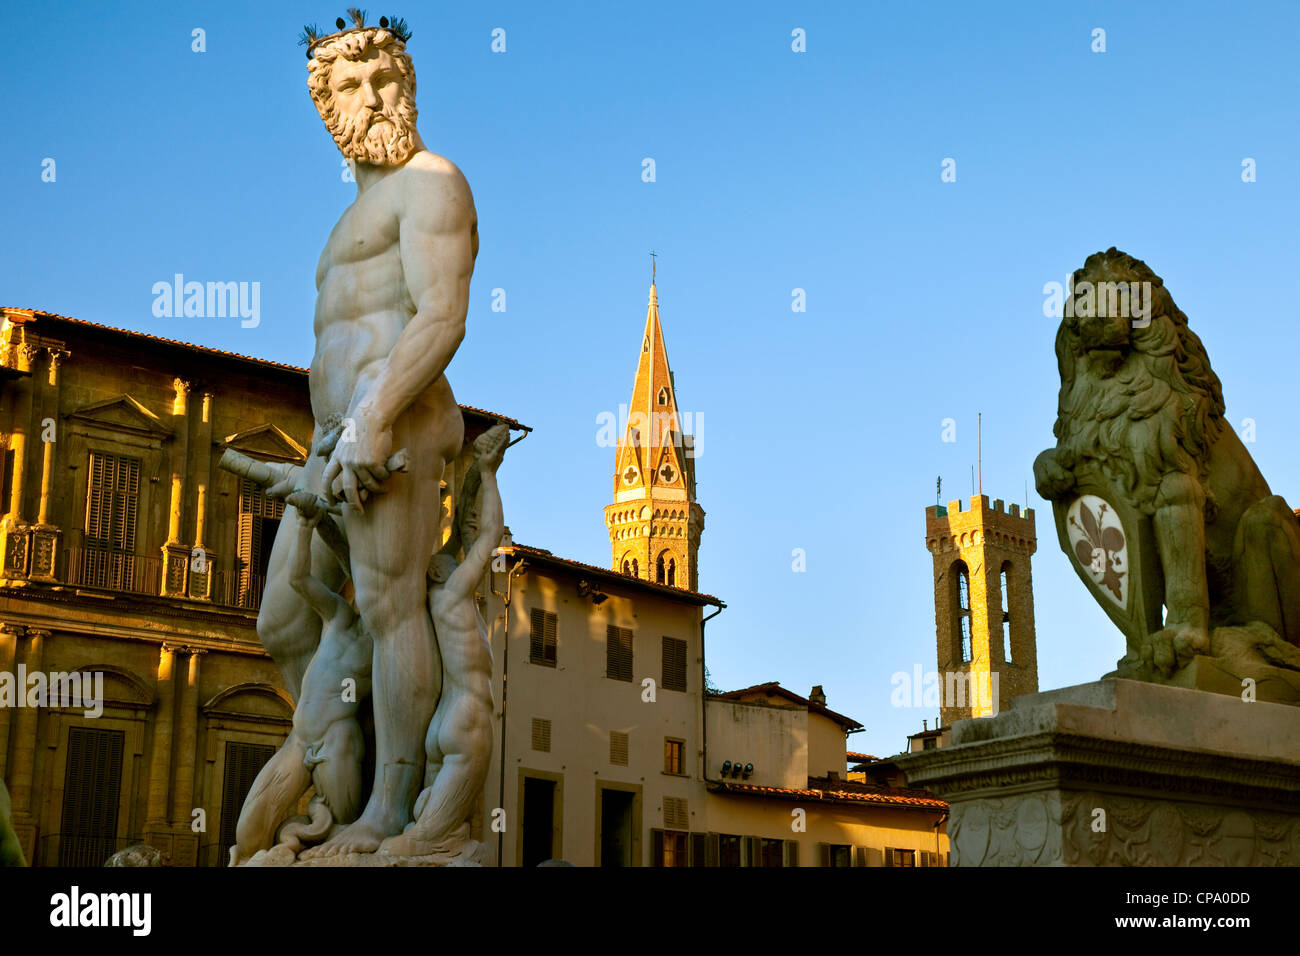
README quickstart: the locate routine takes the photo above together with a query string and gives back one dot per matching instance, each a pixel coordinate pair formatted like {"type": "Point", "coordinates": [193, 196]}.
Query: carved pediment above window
{"type": "Point", "coordinates": [269, 443]}
{"type": "Point", "coordinates": [122, 414]}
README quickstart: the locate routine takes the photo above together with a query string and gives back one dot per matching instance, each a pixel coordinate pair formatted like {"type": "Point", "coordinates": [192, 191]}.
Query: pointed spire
{"type": "Point", "coordinates": [655, 522]}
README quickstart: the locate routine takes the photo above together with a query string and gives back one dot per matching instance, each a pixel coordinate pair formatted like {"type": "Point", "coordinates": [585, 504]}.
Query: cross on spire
{"type": "Point", "coordinates": [654, 256]}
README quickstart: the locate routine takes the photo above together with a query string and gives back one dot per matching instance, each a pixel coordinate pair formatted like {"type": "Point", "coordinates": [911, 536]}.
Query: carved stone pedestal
{"type": "Point", "coordinates": [1121, 773]}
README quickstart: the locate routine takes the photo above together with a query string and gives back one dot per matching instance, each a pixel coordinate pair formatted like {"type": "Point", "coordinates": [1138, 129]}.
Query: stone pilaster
{"type": "Point", "coordinates": [9, 635]}
{"type": "Point", "coordinates": [157, 825]}
{"type": "Point", "coordinates": [25, 728]}
{"type": "Point", "coordinates": [185, 848]}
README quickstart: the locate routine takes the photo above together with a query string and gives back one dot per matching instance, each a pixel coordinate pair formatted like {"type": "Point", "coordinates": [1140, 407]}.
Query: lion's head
{"type": "Point", "coordinates": [1138, 397]}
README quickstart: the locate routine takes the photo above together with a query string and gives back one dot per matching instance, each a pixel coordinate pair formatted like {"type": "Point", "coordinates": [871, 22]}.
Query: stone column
{"type": "Point", "coordinates": [200, 573]}
{"type": "Point", "coordinates": [13, 529]}
{"type": "Point", "coordinates": [45, 536]}
{"type": "Point", "coordinates": [9, 634]}
{"type": "Point", "coordinates": [176, 555]}
{"type": "Point", "coordinates": [24, 730]}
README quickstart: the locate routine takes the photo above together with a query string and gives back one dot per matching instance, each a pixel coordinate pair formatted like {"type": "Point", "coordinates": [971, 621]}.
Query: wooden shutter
{"type": "Point", "coordinates": [243, 763]}
{"type": "Point", "coordinates": [542, 734]}
{"type": "Point", "coordinates": [711, 852]}
{"type": "Point", "coordinates": [112, 502]}
{"type": "Point", "coordinates": [860, 856]}
{"type": "Point", "coordinates": [699, 849]}
{"type": "Point", "coordinates": [618, 653]}
{"type": "Point", "coordinates": [541, 637]}
{"type": "Point", "coordinates": [249, 545]}
{"type": "Point", "coordinates": [824, 854]}
{"type": "Point", "coordinates": [674, 664]}
{"type": "Point", "coordinates": [677, 814]}
{"type": "Point", "coordinates": [753, 851]}
{"type": "Point", "coordinates": [618, 748]}
{"type": "Point", "coordinates": [889, 856]}
{"type": "Point", "coordinates": [656, 847]}
{"type": "Point", "coordinates": [92, 794]}
{"type": "Point", "coordinates": [791, 851]}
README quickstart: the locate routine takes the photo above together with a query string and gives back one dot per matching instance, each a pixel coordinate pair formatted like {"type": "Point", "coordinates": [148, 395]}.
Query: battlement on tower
{"type": "Point", "coordinates": [996, 517]}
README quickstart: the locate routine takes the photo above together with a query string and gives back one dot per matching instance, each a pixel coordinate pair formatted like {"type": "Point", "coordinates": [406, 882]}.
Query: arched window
{"type": "Point", "coordinates": [636, 571]}
{"type": "Point", "coordinates": [659, 570]}
{"type": "Point", "coordinates": [962, 611]}
{"type": "Point", "coordinates": [1006, 613]}
{"type": "Point", "coordinates": [627, 568]}
{"type": "Point", "coordinates": [672, 573]}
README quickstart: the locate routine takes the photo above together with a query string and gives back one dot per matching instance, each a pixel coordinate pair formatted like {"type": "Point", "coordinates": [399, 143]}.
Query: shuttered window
{"type": "Point", "coordinates": [699, 849]}
{"type": "Point", "coordinates": [259, 518]}
{"type": "Point", "coordinates": [772, 852]}
{"type": "Point", "coordinates": [729, 852]}
{"type": "Point", "coordinates": [618, 748]}
{"type": "Point", "coordinates": [897, 857]}
{"type": "Point", "coordinates": [92, 793]}
{"type": "Point", "coordinates": [542, 735]}
{"type": "Point", "coordinates": [618, 653]}
{"type": "Point", "coordinates": [669, 848]}
{"type": "Point", "coordinates": [112, 505]}
{"type": "Point", "coordinates": [677, 814]}
{"type": "Point", "coordinates": [541, 643]}
{"type": "Point", "coordinates": [674, 750]}
{"type": "Point", "coordinates": [674, 670]}
{"type": "Point", "coordinates": [243, 763]}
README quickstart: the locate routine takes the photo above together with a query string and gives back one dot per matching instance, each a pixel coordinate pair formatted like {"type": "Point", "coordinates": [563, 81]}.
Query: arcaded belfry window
{"type": "Point", "coordinates": [962, 611]}
{"type": "Point", "coordinates": [1006, 613]}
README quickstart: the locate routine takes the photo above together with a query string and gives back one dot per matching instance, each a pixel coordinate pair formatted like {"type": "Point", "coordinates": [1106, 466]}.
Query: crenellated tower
{"type": "Point", "coordinates": [655, 522]}
{"type": "Point", "coordinates": [983, 605]}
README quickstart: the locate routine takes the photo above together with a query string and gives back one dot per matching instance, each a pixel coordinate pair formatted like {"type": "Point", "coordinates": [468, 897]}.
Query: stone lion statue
{"type": "Point", "coordinates": [1178, 499]}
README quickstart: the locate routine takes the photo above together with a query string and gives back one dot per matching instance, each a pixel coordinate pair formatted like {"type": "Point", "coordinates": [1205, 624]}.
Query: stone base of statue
{"type": "Point", "coordinates": [467, 853]}
{"type": "Point", "coordinates": [1121, 773]}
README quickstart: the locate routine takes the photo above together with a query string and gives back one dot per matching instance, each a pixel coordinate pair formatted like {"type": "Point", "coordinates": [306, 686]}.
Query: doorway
{"type": "Point", "coordinates": [539, 821]}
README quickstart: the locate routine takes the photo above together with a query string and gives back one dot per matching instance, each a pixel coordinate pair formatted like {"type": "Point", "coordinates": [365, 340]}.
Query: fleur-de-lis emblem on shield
{"type": "Point", "coordinates": [1101, 549]}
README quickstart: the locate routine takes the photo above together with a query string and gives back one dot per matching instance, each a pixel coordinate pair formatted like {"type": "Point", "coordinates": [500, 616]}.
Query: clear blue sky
{"type": "Point", "coordinates": [775, 171]}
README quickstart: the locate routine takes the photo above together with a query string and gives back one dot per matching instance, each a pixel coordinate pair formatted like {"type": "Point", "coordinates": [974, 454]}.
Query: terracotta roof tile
{"type": "Point", "coordinates": [615, 577]}
{"type": "Point", "coordinates": [882, 796]}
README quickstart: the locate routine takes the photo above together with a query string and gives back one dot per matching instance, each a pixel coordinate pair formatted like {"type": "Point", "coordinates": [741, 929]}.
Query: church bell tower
{"type": "Point", "coordinates": [655, 522]}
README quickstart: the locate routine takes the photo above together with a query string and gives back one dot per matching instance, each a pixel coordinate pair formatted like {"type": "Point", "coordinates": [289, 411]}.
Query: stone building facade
{"type": "Point", "coordinates": [129, 555]}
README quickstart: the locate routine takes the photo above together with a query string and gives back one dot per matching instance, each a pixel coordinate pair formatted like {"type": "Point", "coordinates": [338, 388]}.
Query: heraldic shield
{"type": "Point", "coordinates": [1112, 548]}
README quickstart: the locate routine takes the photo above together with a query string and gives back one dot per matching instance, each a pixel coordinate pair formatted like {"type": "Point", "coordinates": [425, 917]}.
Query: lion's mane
{"type": "Point", "coordinates": [1159, 412]}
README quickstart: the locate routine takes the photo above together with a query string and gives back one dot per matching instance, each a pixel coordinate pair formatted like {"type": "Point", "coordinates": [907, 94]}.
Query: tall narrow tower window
{"type": "Point", "coordinates": [672, 573]}
{"type": "Point", "coordinates": [659, 570]}
{"type": "Point", "coordinates": [1006, 614]}
{"type": "Point", "coordinates": [663, 396]}
{"type": "Point", "coordinates": [963, 610]}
